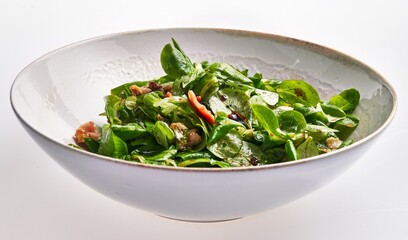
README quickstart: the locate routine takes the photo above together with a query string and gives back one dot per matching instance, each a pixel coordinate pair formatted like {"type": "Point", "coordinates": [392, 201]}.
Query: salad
{"type": "Point", "coordinates": [211, 114]}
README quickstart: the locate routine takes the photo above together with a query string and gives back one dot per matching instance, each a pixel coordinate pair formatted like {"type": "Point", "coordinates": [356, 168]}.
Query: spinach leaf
{"type": "Point", "coordinates": [307, 149]}
{"type": "Point", "coordinates": [113, 107]}
{"type": "Point", "coordinates": [291, 121]}
{"type": "Point", "coordinates": [269, 97]}
{"type": "Point", "coordinates": [311, 114]}
{"type": "Point", "coordinates": [207, 86]}
{"type": "Point", "coordinates": [225, 71]}
{"type": "Point", "coordinates": [346, 126]}
{"type": "Point", "coordinates": [268, 120]}
{"type": "Point", "coordinates": [111, 145]}
{"type": "Point", "coordinates": [129, 131]}
{"type": "Point", "coordinates": [228, 146]}
{"type": "Point", "coordinates": [195, 76]}
{"type": "Point", "coordinates": [332, 112]}
{"type": "Point", "coordinates": [203, 162]}
{"type": "Point", "coordinates": [274, 155]}
{"type": "Point", "coordinates": [294, 91]}
{"type": "Point", "coordinates": [218, 107]}
{"type": "Point", "coordinates": [194, 155]}
{"type": "Point", "coordinates": [162, 156]}
{"type": "Point", "coordinates": [221, 130]}
{"type": "Point", "coordinates": [346, 100]}
{"type": "Point", "coordinates": [174, 61]}
{"type": "Point", "coordinates": [163, 134]}
{"type": "Point", "coordinates": [92, 144]}
{"type": "Point", "coordinates": [291, 151]}
{"type": "Point", "coordinates": [238, 102]}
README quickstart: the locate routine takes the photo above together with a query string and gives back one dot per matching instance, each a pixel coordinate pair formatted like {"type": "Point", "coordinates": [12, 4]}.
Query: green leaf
{"type": "Point", "coordinates": [218, 107]}
{"type": "Point", "coordinates": [311, 114]}
{"type": "Point", "coordinates": [162, 156]}
{"type": "Point", "coordinates": [346, 126]}
{"type": "Point", "coordinates": [225, 71]}
{"type": "Point", "coordinates": [333, 112]}
{"type": "Point", "coordinates": [221, 130]}
{"type": "Point", "coordinates": [203, 162]}
{"type": "Point", "coordinates": [267, 119]}
{"type": "Point", "coordinates": [346, 100]}
{"type": "Point", "coordinates": [206, 87]}
{"type": "Point", "coordinates": [274, 155]}
{"type": "Point", "coordinates": [128, 131]}
{"type": "Point", "coordinates": [111, 145]}
{"type": "Point", "coordinates": [92, 144]}
{"type": "Point", "coordinates": [226, 147]}
{"type": "Point", "coordinates": [113, 106]}
{"type": "Point", "coordinates": [238, 102]}
{"type": "Point", "coordinates": [163, 134]}
{"type": "Point", "coordinates": [291, 121]}
{"type": "Point", "coordinates": [291, 151]}
{"type": "Point", "coordinates": [194, 155]}
{"type": "Point", "coordinates": [307, 149]}
{"type": "Point", "coordinates": [174, 62]}
{"type": "Point", "coordinates": [188, 80]}
{"type": "Point", "coordinates": [271, 98]}
{"type": "Point", "coordinates": [299, 91]}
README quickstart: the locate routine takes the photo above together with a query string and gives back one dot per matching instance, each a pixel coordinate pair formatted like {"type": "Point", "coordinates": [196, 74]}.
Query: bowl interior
{"type": "Point", "coordinates": [65, 88]}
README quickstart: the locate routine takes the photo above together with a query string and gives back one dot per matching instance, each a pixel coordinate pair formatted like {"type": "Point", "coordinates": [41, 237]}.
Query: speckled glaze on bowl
{"type": "Point", "coordinates": [65, 88]}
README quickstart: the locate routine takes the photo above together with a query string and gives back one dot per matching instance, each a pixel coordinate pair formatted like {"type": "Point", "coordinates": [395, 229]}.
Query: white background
{"type": "Point", "coordinates": [40, 200]}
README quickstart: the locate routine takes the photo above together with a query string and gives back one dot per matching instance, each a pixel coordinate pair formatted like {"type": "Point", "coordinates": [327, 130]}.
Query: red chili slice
{"type": "Point", "coordinates": [200, 108]}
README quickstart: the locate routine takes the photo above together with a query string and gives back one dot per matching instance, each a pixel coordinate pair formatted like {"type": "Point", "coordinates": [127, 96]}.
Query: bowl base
{"type": "Point", "coordinates": [201, 221]}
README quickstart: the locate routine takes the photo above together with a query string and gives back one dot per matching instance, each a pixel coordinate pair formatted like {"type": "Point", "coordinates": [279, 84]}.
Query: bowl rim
{"type": "Point", "coordinates": [264, 35]}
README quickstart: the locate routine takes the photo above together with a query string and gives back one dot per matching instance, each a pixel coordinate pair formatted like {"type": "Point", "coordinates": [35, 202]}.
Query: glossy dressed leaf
{"type": "Point", "coordinates": [193, 155]}
{"type": "Point", "coordinates": [267, 119]}
{"type": "Point", "coordinates": [174, 62]}
{"type": "Point", "coordinates": [307, 149]}
{"type": "Point", "coordinates": [221, 130]}
{"type": "Point", "coordinates": [218, 107]}
{"type": "Point", "coordinates": [189, 80]}
{"type": "Point", "coordinates": [238, 162]}
{"type": "Point", "coordinates": [301, 90]}
{"type": "Point", "coordinates": [113, 107]}
{"type": "Point", "coordinates": [291, 121]}
{"type": "Point", "coordinates": [162, 156]}
{"type": "Point", "coordinates": [111, 145]}
{"type": "Point", "coordinates": [311, 114]}
{"type": "Point", "coordinates": [346, 100]}
{"type": "Point", "coordinates": [206, 87]}
{"type": "Point", "coordinates": [271, 98]}
{"type": "Point", "coordinates": [333, 112]}
{"type": "Point", "coordinates": [228, 146]}
{"type": "Point", "coordinates": [128, 131]}
{"type": "Point", "coordinates": [225, 71]}
{"type": "Point", "coordinates": [203, 162]}
{"type": "Point", "coordinates": [346, 126]}
{"type": "Point", "coordinates": [238, 102]}
{"type": "Point", "coordinates": [92, 144]}
{"type": "Point", "coordinates": [163, 134]}
{"type": "Point", "coordinates": [291, 152]}
{"type": "Point", "coordinates": [274, 155]}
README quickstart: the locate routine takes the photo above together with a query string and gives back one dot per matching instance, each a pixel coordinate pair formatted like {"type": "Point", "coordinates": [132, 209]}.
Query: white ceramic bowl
{"type": "Point", "coordinates": [65, 88]}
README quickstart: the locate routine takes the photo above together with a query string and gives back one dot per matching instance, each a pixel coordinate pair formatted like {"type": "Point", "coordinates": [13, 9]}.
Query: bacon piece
{"type": "Point", "coordinates": [87, 130]}
{"type": "Point", "coordinates": [193, 138]}
{"type": "Point", "coordinates": [154, 86]}
{"type": "Point", "coordinates": [136, 90]}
